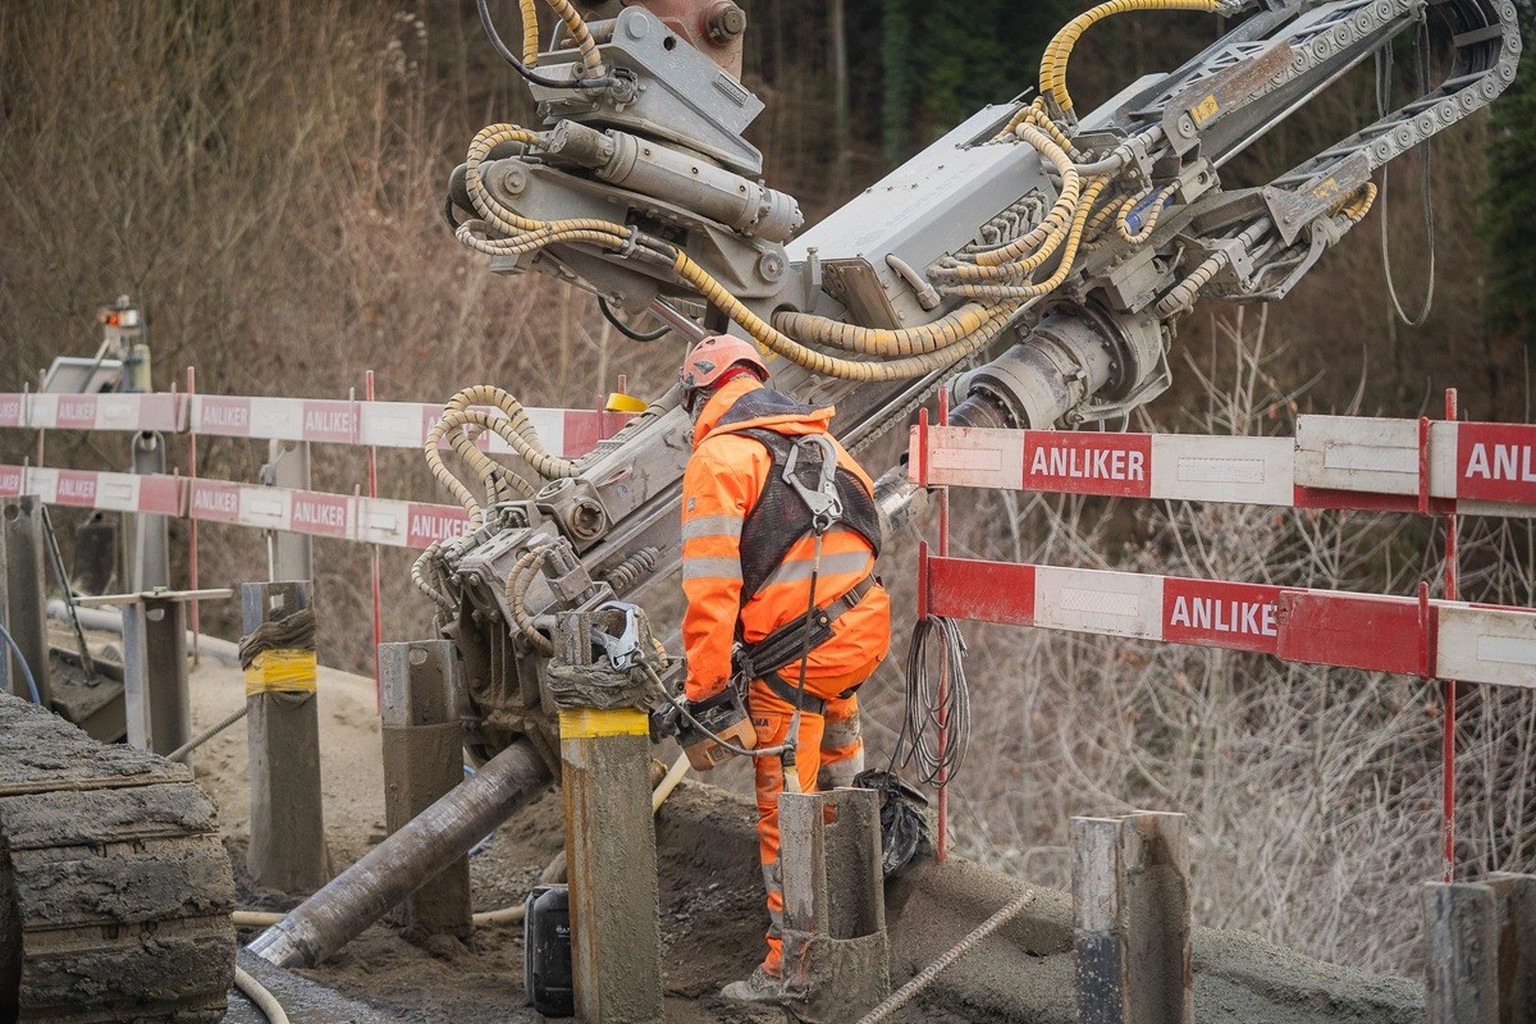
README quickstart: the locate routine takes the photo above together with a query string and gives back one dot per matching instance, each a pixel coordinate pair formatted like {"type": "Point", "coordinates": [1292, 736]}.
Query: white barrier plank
{"type": "Point", "coordinates": [1487, 645]}
{"type": "Point", "coordinates": [1096, 601]}
{"type": "Point", "coordinates": [1251, 470]}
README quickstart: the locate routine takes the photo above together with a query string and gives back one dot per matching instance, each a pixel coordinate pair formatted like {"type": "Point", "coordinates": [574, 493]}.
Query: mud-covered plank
{"type": "Point", "coordinates": [95, 817]}
{"type": "Point", "coordinates": [40, 751]}
{"type": "Point", "coordinates": [162, 881]}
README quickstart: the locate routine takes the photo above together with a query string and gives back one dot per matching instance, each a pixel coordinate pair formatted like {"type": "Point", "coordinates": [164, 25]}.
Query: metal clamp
{"type": "Point", "coordinates": [623, 650]}
{"type": "Point", "coordinates": [826, 507]}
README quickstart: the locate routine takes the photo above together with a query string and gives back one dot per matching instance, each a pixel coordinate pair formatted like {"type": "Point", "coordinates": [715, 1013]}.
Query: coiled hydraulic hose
{"type": "Point", "coordinates": [513, 426]}
{"type": "Point", "coordinates": [998, 277]}
{"type": "Point", "coordinates": [1042, 241]}
{"type": "Point", "coordinates": [830, 366]}
{"type": "Point", "coordinates": [1149, 221]}
{"type": "Point", "coordinates": [518, 582]}
{"type": "Point", "coordinates": [1000, 293]}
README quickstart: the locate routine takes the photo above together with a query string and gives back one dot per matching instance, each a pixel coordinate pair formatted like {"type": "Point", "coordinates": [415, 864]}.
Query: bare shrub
{"type": "Point", "coordinates": [1313, 793]}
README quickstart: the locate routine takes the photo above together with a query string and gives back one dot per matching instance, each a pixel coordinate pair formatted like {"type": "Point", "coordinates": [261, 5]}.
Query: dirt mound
{"type": "Point", "coordinates": [712, 917]}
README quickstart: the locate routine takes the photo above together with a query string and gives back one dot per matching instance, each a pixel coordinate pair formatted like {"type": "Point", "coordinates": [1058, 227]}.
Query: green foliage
{"type": "Point", "coordinates": [1509, 206]}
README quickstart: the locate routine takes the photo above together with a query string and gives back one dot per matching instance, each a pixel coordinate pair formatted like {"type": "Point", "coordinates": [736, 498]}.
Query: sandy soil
{"type": "Point", "coordinates": [711, 914]}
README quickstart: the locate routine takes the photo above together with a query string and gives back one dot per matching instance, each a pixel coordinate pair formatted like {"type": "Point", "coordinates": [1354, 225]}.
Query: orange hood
{"type": "Point", "coordinates": [790, 424]}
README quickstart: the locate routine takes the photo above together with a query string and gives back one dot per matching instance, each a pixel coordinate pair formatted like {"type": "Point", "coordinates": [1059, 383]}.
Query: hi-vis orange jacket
{"type": "Point", "coordinates": [722, 484]}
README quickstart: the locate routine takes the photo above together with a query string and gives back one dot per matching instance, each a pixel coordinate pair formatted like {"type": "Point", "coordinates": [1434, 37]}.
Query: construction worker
{"type": "Point", "coordinates": [751, 556]}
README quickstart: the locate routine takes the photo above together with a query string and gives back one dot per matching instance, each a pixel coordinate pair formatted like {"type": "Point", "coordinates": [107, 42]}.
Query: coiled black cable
{"type": "Point", "coordinates": [926, 708]}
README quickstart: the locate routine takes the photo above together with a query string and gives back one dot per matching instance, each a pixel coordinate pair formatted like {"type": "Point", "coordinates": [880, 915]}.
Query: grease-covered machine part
{"type": "Point", "coordinates": [115, 891]}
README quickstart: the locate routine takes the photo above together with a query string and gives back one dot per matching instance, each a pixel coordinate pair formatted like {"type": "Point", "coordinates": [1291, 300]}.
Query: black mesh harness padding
{"type": "Point", "coordinates": [780, 516]}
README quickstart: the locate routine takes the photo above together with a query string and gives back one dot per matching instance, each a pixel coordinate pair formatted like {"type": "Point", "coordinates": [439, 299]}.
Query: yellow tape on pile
{"type": "Point", "coordinates": [287, 670]}
{"type": "Point", "coordinates": [590, 723]}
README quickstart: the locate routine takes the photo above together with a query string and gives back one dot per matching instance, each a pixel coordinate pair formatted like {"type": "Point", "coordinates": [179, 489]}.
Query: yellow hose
{"type": "Point", "coordinates": [1053, 65]}
{"type": "Point", "coordinates": [263, 1000]}
{"type": "Point", "coordinates": [1360, 203]}
{"type": "Point", "coordinates": [932, 337]}
{"type": "Point", "coordinates": [828, 366]}
{"type": "Point", "coordinates": [578, 31]}
{"type": "Point", "coordinates": [530, 13]}
{"type": "Point", "coordinates": [1001, 293]}
{"type": "Point", "coordinates": [1122, 218]}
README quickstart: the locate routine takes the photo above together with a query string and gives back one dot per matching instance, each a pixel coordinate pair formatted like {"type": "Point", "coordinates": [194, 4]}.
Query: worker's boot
{"type": "Point", "coordinates": [761, 987]}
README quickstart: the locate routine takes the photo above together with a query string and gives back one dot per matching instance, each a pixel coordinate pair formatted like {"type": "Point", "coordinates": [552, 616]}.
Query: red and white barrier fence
{"type": "Point", "coordinates": [1404, 635]}
{"type": "Point", "coordinates": [1337, 462]}
{"type": "Point", "coordinates": [408, 524]}
{"type": "Point", "coordinates": [1441, 468]}
{"type": "Point", "coordinates": [568, 432]}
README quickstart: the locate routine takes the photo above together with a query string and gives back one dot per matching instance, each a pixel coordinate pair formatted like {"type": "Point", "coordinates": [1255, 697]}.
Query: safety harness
{"type": "Point", "coordinates": [807, 493]}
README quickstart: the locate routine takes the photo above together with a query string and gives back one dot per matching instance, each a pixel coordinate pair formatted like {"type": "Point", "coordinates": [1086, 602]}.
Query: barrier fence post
{"type": "Point", "coordinates": [288, 466]}
{"type": "Point", "coordinates": [21, 530]}
{"type": "Point", "coordinates": [423, 759]}
{"type": "Point", "coordinates": [1131, 935]}
{"type": "Point", "coordinates": [287, 850]}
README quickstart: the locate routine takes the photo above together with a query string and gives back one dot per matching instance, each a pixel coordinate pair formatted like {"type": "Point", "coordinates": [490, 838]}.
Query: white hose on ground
{"type": "Point", "coordinates": [904, 995]}
{"type": "Point", "coordinates": [506, 915]}
{"type": "Point", "coordinates": [265, 1001]}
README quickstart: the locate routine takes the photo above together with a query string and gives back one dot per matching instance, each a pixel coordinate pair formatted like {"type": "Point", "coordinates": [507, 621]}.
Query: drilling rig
{"type": "Point", "coordinates": [1034, 263]}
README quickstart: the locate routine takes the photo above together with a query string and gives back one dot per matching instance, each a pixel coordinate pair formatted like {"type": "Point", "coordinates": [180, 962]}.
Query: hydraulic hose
{"type": "Point", "coordinates": [264, 1001]}
{"type": "Point", "coordinates": [26, 670]}
{"type": "Point", "coordinates": [1149, 222]}
{"type": "Point", "coordinates": [518, 582]}
{"type": "Point", "coordinates": [1053, 64]}
{"type": "Point", "coordinates": [817, 362]}
{"type": "Point", "coordinates": [1003, 293]}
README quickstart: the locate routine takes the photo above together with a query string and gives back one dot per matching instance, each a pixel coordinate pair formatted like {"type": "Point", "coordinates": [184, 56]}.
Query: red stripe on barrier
{"type": "Point", "coordinates": [963, 588]}
{"type": "Point", "coordinates": [76, 488]}
{"type": "Point", "coordinates": [1214, 613]}
{"type": "Point", "coordinates": [11, 478]}
{"type": "Point", "coordinates": [1496, 462]}
{"type": "Point", "coordinates": [214, 500]}
{"type": "Point", "coordinates": [10, 410]}
{"type": "Point", "coordinates": [76, 412]}
{"type": "Point", "coordinates": [1088, 462]}
{"type": "Point", "coordinates": [319, 514]}
{"type": "Point", "coordinates": [428, 523]}
{"type": "Point", "coordinates": [230, 417]}
{"type": "Point", "coordinates": [584, 429]}
{"type": "Point", "coordinates": [160, 495]}
{"type": "Point", "coordinates": [1379, 634]}
{"type": "Point", "coordinates": [330, 421]}
{"type": "Point", "coordinates": [1365, 501]}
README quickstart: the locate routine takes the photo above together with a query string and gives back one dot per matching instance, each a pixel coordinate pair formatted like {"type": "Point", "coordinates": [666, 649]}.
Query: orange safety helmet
{"type": "Point", "coordinates": [708, 361]}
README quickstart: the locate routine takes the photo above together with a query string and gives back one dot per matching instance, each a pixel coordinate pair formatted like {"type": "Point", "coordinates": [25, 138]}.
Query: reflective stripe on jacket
{"type": "Point", "coordinates": [722, 483]}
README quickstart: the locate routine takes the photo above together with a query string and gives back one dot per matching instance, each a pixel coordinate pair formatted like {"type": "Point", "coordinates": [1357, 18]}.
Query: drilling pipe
{"type": "Point", "coordinates": [405, 861]}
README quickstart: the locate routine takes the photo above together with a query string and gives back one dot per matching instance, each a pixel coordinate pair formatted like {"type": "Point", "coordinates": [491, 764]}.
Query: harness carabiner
{"type": "Point", "coordinates": [825, 505]}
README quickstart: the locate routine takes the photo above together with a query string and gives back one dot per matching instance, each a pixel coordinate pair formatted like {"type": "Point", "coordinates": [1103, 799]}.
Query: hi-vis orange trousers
{"type": "Point", "coordinates": [830, 750]}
